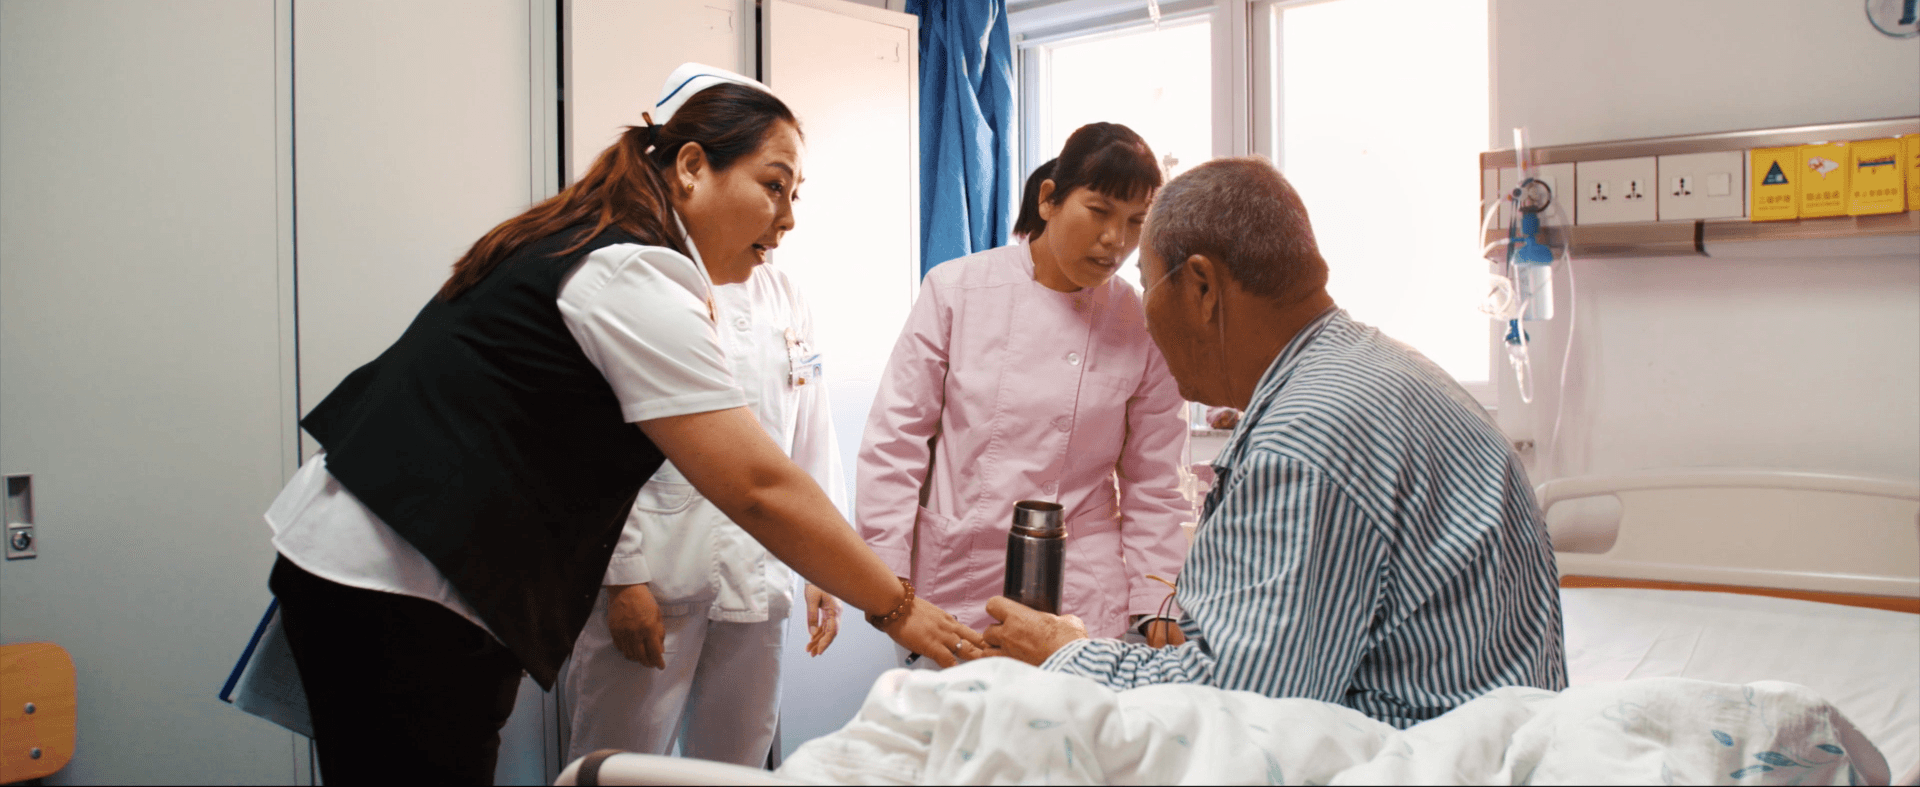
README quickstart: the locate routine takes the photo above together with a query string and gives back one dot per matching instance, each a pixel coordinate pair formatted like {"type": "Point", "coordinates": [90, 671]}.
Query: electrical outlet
{"type": "Point", "coordinates": [1559, 179]}
{"type": "Point", "coordinates": [1616, 191]}
{"type": "Point", "coordinates": [1703, 186]}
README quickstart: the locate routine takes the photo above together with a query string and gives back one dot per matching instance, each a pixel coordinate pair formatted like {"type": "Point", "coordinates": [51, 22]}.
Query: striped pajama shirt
{"type": "Point", "coordinates": [1371, 540]}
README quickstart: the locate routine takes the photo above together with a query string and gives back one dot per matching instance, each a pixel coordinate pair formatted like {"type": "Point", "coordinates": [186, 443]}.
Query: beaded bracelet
{"type": "Point", "coordinates": [883, 621]}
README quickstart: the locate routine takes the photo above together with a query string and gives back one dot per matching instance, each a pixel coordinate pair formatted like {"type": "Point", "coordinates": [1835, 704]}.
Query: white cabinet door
{"type": "Point", "coordinates": [851, 74]}
{"type": "Point", "coordinates": [619, 52]}
{"type": "Point", "coordinates": [418, 127]}
{"type": "Point", "coordinates": [141, 368]}
{"type": "Point", "coordinates": [412, 138]}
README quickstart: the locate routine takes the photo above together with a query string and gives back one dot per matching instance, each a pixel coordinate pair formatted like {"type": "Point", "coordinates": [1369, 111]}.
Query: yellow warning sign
{"type": "Point", "coordinates": [1913, 171]}
{"type": "Point", "coordinates": [1823, 180]}
{"type": "Point", "coordinates": [1776, 180]}
{"type": "Point", "coordinates": [1875, 183]}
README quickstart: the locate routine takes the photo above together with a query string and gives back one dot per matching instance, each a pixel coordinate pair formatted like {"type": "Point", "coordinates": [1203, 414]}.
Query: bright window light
{"type": "Point", "coordinates": [1382, 113]}
{"type": "Point", "coordinates": [1156, 82]}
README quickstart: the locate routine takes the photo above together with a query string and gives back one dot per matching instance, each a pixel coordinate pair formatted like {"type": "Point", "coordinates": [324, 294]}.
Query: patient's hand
{"type": "Point", "coordinates": [1162, 632]}
{"type": "Point", "coordinates": [633, 617]}
{"type": "Point", "coordinates": [1028, 634]}
{"type": "Point", "coordinates": [1223, 417]}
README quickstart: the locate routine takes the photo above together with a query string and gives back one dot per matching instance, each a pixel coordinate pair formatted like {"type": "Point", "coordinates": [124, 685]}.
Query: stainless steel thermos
{"type": "Point", "coordinates": [1036, 549]}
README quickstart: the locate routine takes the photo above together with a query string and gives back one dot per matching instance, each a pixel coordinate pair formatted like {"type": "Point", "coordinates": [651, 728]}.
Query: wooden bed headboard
{"type": "Point", "coordinates": [1828, 538]}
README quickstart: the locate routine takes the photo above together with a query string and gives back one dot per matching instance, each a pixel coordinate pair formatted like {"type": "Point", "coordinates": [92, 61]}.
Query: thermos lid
{"type": "Point", "coordinates": [1039, 519]}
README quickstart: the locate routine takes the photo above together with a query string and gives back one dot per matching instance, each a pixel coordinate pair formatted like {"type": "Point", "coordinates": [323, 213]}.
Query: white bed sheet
{"type": "Point", "coordinates": [1000, 721]}
{"type": "Point", "coordinates": [1864, 661]}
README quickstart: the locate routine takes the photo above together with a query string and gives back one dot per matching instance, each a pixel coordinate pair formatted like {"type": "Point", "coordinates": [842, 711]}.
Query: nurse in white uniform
{"type": "Point", "coordinates": [691, 622]}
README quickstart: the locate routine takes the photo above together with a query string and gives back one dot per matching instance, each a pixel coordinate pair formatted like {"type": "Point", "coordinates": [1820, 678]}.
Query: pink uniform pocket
{"type": "Point", "coordinates": [1096, 574]}
{"type": "Point", "coordinates": [940, 561]}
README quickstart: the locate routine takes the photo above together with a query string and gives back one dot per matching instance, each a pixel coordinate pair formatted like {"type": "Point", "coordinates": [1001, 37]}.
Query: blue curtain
{"type": "Point", "coordinates": [966, 128]}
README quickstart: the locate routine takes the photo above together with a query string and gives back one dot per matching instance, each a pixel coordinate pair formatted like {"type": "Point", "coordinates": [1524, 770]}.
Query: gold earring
{"type": "Point", "coordinates": [689, 188]}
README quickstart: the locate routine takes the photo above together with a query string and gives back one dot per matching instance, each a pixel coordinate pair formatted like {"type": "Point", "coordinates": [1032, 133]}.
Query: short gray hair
{"type": "Point", "coordinates": [1241, 213]}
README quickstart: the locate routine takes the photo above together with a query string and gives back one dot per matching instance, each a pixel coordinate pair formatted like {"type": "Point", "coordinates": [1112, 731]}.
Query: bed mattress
{"type": "Point", "coordinates": [1864, 661]}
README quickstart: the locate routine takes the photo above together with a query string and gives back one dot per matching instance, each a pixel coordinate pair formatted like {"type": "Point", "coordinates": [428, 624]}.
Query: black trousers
{"type": "Point", "coordinates": [401, 688]}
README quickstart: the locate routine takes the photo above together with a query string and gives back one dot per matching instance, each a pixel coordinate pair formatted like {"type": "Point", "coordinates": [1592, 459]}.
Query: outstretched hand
{"type": "Point", "coordinates": [931, 632]}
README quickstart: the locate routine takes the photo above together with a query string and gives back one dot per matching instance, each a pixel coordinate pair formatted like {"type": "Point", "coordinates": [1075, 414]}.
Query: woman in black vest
{"type": "Point", "coordinates": [477, 474]}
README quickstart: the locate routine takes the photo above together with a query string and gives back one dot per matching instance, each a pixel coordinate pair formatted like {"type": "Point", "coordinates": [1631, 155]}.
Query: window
{"type": "Point", "coordinates": [1154, 79]}
{"type": "Point", "coordinates": [1381, 113]}
{"type": "Point", "coordinates": [1376, 110]}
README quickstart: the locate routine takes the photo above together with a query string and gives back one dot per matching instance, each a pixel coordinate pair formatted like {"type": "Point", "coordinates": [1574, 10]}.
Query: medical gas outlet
{"type": "Point", "coordinates": [1559, 179]}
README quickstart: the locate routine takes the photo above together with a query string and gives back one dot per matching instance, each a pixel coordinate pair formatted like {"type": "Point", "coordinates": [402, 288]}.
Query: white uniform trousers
{"type": "Point", "coordinates": [722, 681]}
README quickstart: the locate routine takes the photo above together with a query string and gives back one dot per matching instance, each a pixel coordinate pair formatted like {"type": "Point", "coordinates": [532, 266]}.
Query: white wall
{"type": "Point", "coordinates": [1809, 362]}
{"type": "Point", "coordinates": [1790, 363]}
{"type": "Point", "coordinates": [141, 367]}
{"type": "Point", "coordinates": [1579, 71]}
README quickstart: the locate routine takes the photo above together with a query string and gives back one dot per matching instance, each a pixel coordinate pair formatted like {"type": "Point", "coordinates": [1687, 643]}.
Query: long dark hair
{"type": "Point", "coordinates": [627, 187]}
{"type": "Point", "coordinates": [1106, 157]}
{"type": "Point", "coordinates": [1029, 223]}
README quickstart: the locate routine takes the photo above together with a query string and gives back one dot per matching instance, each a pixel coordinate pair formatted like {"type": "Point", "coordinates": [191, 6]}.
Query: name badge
{"type": "Point", "coordinates": [803, 364]}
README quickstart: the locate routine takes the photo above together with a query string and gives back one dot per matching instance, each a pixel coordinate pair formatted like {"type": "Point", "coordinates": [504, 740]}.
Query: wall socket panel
{"type": "Point", "coordinates": [1616, 191]}
{"type": "Point", "coordinates": [1558, 177]}
{"type": "Point", "coordinates": [1703, 186]}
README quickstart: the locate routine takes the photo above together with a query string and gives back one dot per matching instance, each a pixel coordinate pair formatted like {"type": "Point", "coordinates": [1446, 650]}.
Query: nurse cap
{"type": "Point", "coordinates": [688, 79]}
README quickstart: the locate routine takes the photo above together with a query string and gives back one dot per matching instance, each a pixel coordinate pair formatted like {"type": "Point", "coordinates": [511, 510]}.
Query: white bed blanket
{"type": "Point", "coordinates": [998, 721]}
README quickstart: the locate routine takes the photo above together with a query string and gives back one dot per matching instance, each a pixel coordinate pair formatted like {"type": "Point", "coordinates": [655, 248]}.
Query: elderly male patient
{"type": "Point", "coordinates": [1371, 539]}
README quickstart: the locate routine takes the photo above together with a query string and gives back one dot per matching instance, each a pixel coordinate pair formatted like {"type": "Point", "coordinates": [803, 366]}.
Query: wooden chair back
{"type": "Point", "coordinates": [37, 710]}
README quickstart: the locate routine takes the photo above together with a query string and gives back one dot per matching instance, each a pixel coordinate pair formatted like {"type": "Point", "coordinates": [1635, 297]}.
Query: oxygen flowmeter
{"type": "Point", "coordinates": [1528, 256]}
{"type": "Point", "coordinates": [1523, 263]}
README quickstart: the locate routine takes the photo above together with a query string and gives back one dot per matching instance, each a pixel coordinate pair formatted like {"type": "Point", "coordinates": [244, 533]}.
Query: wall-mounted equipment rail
{"type": "Point", "coordinates": [1594, 176]}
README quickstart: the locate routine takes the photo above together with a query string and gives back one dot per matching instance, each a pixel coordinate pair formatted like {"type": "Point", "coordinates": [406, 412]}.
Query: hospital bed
{"type": "Point", "coordinates": [1736, 576]}
{"type": "Point", "coordinates": [1726, 576]}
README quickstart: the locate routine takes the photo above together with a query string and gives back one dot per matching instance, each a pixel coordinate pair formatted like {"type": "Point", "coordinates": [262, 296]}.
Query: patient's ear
{"type": "Point", "coordinates": [1205, 289]}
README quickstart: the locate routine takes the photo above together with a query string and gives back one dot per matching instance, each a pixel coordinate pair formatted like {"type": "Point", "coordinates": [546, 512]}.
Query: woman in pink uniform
{"type": "Point", "coordinates": [1025, 372]}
